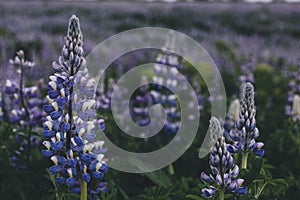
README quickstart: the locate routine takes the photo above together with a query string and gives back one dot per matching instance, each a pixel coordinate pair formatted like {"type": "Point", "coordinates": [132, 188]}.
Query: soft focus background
{"type": "Point", "coordinates": [264, 36]}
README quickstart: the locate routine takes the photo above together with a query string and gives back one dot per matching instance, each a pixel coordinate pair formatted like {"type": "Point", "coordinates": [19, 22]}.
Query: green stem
{"type": "Point", "coordinates": [222, 194]}
{"type": "Point", "coordinates": [83, 187]}
{"type": "Point", "coordinates": [244, 160]}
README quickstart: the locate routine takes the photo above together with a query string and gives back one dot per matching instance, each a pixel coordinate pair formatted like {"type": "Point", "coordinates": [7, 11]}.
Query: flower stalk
{"type": "Point", "coordinates": [244, 160]}
{"type": "Point", "coordinates": [222, 194]}
{"type": "Point", "coordinates": [69, 131]}
{"type": "Point", "coordinates": [83, 187]}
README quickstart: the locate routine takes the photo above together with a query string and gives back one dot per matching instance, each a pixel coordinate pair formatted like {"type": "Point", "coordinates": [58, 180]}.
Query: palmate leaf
{"type": "Point", "coordinates": [278, 187]}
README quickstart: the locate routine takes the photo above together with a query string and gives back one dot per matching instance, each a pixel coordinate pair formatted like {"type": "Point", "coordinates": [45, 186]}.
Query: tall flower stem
{"type": "Point", "coordinates": [23, 103]}
{"type": "Point", "coordinates": [70, 112]}
{"type": "Point", "coordinates": [222, 194]}
{"type": "Point", "coordinates": [83, 186]}
{"type": "Point", "coordinates": [244, 160]}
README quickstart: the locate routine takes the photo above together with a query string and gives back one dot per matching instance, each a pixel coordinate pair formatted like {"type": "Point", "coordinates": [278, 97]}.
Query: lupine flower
{"type": "Point", "coordinates": [246, 132]}
{"type": "Point", "coordinates": [231, 118]}
{"type": "Point", "coordinates": [24, 109]}
{"type": "Point", "coordinates": [224, 171]}
{"type": "Point", "coordinates": [69, 130]}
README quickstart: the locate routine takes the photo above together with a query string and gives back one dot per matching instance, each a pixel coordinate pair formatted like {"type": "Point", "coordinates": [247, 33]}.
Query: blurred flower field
{"type": "Point", "coordinates": [50, 111]}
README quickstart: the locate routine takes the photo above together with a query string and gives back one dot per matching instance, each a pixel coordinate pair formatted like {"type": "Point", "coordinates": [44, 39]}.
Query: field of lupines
{"type": "Point", "coordinates": [50, 112]}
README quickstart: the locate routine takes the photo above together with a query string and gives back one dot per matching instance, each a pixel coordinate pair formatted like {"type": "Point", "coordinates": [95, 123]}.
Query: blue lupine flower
{"type": "Point", "coordinates": [69, 130]}
{"type": "Point", "coordinates": [224, 171]}
{"type": "Point", "coordinates": [246, 132]}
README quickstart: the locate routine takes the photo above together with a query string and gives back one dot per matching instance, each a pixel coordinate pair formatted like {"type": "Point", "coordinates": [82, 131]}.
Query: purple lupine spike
{"type": "Point", "coordinates": [246, 132]}
{"type": "Point", "coordinates": [69, 128]}
{"type": "Point", "coordinates": [224, 170]}
{"type": "Point", "coordinates": [24, 110]}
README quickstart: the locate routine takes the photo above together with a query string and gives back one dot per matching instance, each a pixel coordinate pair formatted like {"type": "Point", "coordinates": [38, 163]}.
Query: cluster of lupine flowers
{"type": "Point", "coordinates": [224, 170]}
{"type": "Point", "coordinates": [246, 132]}
{"type": "Point", "coordinates": [69, 129]}
{"type": "Point", "coordinates": [241, 133]}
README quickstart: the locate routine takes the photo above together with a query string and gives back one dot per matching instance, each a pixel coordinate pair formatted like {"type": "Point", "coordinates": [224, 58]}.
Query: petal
{"type": "Point", "coordinates": [55, 115]}
{"type": "Point", "coordinates": [104, 168]}
{"type": "Point", "coordinates": [259, 152]}
{"type": "Point", "coordinates": [234, 171]}
{"type": "Point", "coordinates": [57, 146]}
{"type": "Point", "coordinates": [86, 177]}
{"type": "Point", "coordinates": [98, 175]}
{"type": "Point", "coordinates": [232, 149]}
{"type": "Point", "coordinates": [48, 108]}
{"type": "Point", "coordinates": [60, 180]}
{"type": "Point", "coordinates": [219, 179]}
{"type": "Point", "coordinates": [47, 153]}
{"type": "Point", "coordinates": [241, 190]}
{"type": "Point", "coordinates": [208, 192]}
{"type": "Point", "coordinates": [70, 181]}
{"type": "Point", "coordinates": [259, 145]}
{"type": "Point", "coordinates": [85, 157]}
{"type": "Point", "coordinates": [205, 178]}
{"type": "Point", "coordinates": [55, 169]}
{"type": "Point", "coordinates": [75, 190]}
{"type": "Point", "coordinates": [48, 134]}
{"type": "Point", "coordinates": [53, 94]}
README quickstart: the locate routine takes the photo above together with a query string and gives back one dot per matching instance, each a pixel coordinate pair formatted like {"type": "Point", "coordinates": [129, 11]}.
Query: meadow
{"type": "Point", "coordinates": [48, 145]}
